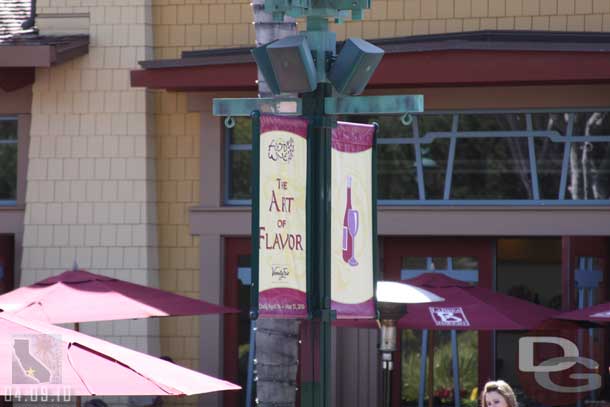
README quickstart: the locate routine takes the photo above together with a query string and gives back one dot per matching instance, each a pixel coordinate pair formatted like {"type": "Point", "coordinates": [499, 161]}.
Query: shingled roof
{"type": "Point", "coordinates": [12, 14]}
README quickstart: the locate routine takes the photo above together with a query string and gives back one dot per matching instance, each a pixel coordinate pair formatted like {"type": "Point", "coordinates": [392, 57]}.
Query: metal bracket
{"type": "Point", "coordinates": [390, 104]}
{"type": "Point", "coordinates": [245, 106]}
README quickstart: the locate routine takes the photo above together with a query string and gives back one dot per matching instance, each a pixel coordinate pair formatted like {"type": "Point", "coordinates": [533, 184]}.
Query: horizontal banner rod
{"type": "Point", "coordinates": [389, 104]}
{"type": "Point", "coordinates": [245, 106]}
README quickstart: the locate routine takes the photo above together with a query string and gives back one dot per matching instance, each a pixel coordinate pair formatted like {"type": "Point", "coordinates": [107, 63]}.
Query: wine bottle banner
{"type": "Point", "coordinates": [352, 221]}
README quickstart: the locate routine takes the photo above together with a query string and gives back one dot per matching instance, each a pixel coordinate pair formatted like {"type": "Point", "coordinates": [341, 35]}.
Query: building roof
{"type": "Point", "coordinates": [455, 59]}
{"type": "Point", "coordinates": [12, 14]}
{"type": "Point", "coordinates": [21, 51]}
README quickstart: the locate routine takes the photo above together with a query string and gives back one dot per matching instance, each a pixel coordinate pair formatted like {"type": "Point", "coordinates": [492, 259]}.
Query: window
{"type": "Point", "coordinates": [8, 160]}
{"type": "Point", "coordinates": [487, 157]}
{"type": "Point", "coordinates": [238, 161]}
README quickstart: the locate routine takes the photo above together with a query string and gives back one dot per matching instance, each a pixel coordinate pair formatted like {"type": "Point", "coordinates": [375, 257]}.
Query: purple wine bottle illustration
{"type": "Point", "coordinates": [350, 227]}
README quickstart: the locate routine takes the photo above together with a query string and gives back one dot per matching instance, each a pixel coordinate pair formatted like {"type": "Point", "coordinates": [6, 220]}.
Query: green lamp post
{"type": "Point", "coordinates": [327, 85]}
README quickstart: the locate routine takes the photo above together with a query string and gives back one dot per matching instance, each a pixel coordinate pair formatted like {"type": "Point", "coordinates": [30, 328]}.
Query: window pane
{"type": "Point", "coordinates": [421, 263]}
{"type": "Point", "coordinates": [589, 167]}
{"type": "Point", "coordinates": [8, 129]}
{"type": "Point", "coordinates": [242, 132]}
{"type": "Point", "coordinates": [392, 127]}
{"type": "Point", "coordinates": [414, 263]}
{"type": "Point", "coordinates": [465, 263]}
{"type": "Point", "coordinates": [589, 171]}
{"type": "Point", "coordinates": [240, 169]}
{"type": "Point", "coordinates": [8, 172]}
{"type": "Point", "coordinates": [549, 159]}
{"type": "Point", "coordinates": [549, 154]}
{"type": "Point", "coordinates": [433, 123]}
{"type": "Point", "coordinates": [396, 173]}
{"type": "Point", "coordinates": [434, 163]}
{"type": "Point", "coordinates": [492, 122]}
{"type": "Point", "coordinates": [491, 169]}
{"type": "Point", "coordinates": [592, 124]}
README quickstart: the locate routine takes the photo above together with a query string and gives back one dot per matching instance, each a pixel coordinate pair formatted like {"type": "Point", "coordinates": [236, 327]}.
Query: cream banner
{"type": "Point", "coordinates": [352, 235]}
{"type": "Point", "coordinates": [282, 217]}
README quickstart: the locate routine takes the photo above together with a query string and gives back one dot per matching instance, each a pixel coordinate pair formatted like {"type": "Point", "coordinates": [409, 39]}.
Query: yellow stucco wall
{"type": "Point", "coordinates": [177, 144]}
{"type": "Point", "coordinates": [203, 24]}
{"type": "Point", "coordinates": [179, 27]}
{"type": "Point", "coordinates": [395, 18]}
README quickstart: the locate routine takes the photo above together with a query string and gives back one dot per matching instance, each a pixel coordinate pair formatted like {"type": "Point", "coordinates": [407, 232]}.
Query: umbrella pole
{"type": "Point", "coordinates": [422, 367]}
{"type": "Point", "coordinates": [431, 370]}
{"type": "Point", "coordinates": [456, 369]}
{"type": "Point", "coordinates": [251, 353]}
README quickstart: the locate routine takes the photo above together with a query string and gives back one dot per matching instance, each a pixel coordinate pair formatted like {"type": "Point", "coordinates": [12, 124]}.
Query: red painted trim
{"type": "Point", "coordinates": [210, 77]}
{"type": "Point", "coordinates": [416, 69]}
{"type": "Point", "coordinates": [463, 68]}
{"type": "Point", "coordinates": [234, 248]}
{"type": "Point", "coordinates": [15, 78]}
{"type": "Point", "coordinates": [481, 248]}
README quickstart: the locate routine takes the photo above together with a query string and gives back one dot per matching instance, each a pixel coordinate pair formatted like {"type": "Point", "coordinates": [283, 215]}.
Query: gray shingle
{"type": "Point", "coordinates": [12, 14]}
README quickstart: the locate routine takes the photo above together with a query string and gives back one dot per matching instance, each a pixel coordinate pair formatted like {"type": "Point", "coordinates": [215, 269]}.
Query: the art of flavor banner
{"type": "Point", "coordinates": [352, 261]}
{"type": "Point", "coordinates": [282, 208]}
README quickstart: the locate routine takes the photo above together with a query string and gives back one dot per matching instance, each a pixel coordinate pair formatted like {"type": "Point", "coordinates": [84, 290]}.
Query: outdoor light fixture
{"type": "Point", "coordinates": [287, 65]}
{"type": "Point", "coordinates": [392, 298]}
{"type": "Point", "coordinates": [354, 66]}
{"type": "Point", "coordinates": [391, 291]}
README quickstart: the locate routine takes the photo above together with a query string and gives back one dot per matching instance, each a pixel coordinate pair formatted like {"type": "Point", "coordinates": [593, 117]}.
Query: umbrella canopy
{"type": "Point", "coordinates": [599, 313]}
{"type": "Point", "coordinates": [468, 307]}
{"type": "Point", "coordinates": [80, 296]}
{"type": "Point", "coordinates": [51, 360]}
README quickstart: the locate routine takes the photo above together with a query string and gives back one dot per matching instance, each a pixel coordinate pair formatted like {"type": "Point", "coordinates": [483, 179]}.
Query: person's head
{"type": "Point", "coordinates": [498, 394]}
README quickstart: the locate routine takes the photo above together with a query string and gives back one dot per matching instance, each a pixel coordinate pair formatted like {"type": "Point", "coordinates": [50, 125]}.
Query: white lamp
{"type": "Point", "coordinates": [401, 293]}
{"type": "Point", "coordinates": [391, 299]}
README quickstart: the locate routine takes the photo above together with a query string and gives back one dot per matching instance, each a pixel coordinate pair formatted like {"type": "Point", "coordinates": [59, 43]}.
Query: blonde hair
{"type": "Point", "coordinates": [503, 389]}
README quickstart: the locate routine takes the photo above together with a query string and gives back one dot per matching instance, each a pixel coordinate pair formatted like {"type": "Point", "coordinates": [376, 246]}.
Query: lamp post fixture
{"type": "Point", "coordinates": [392, 300]}
{"type": "Point", "coordinates": [328, 85]}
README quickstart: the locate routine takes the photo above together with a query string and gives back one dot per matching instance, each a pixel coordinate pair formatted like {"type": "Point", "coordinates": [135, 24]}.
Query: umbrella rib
{"type": "Point", "coordinates": [76, 370]}
{"type": "Point", "coordinates": [122, 364]}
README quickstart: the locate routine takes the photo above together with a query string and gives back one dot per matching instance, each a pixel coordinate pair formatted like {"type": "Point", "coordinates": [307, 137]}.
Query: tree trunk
{"type": "Point", "coordinates": [277, 340]}
{"type": "Point", "coordinates": [277, 349]}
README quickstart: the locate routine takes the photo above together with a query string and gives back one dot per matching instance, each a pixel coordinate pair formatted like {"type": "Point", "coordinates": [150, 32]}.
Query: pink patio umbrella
{"type": "Point", "coordinates": [47, 359]}
{"type": "Point", "coordinates": [468, 307]}
{"type": "Point", "coordinates": [599, 313]}
{"type": "Point", "coordinates": [80, 296]}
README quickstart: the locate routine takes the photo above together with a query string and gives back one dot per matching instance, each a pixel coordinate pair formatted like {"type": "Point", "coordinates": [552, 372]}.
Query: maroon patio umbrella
{"type": "Point", "coordinates": [80, 296]}
{"type": "Point", "coordinates": [599, 313]}
{"type": "Point", "coordinates": [42, 359]}
{"type": "Point", "coordinates": [468, 307]}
